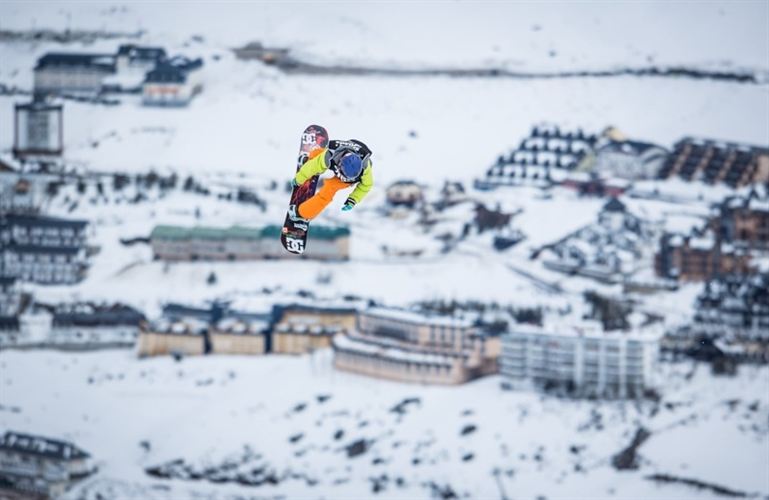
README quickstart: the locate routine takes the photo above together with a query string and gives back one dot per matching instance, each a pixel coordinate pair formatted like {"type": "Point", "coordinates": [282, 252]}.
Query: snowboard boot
{"type": "Point", "coordinates": [293, 214]}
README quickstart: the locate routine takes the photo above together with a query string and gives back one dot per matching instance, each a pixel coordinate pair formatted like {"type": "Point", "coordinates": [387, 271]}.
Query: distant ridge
{"type": "Point", "coordinates": [290, 64]}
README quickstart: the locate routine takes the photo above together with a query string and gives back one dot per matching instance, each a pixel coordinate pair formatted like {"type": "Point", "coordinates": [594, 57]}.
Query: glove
{"type": "Point", "coordinates": [347, 207]}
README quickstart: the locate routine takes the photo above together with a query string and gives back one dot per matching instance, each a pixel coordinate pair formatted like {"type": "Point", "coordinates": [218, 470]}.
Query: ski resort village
{"type": "Point", "coordinates": [557, 287]}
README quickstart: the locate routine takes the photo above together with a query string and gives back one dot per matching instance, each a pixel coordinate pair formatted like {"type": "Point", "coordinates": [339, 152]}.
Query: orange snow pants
{"type": "Point", "coordinates": [315, 205]}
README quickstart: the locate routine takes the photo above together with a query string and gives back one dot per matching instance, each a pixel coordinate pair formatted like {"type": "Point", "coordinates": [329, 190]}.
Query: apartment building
{"type": "Point", "coordinates": [580, 360]}
{"type": "Point", "coordinates": [410, 346]}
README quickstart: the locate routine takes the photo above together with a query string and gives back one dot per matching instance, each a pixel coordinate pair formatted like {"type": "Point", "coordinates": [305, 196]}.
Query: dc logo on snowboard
{"type": "Point", "coordinates": [293, 245]}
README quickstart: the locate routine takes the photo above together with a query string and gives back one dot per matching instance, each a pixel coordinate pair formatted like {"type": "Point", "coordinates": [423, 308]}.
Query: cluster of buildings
{"type": "Point", "coordinates": [604, 164]}
{"type": "Point", "coordinates": [734, 307]}
{"type": "Point", "coordinates": [736, 235]}
{"type": "Point", "coordinates": [543, 158]}
{"type": "Point", "coordinates": [385, 343]}
{"type": "Point", "coordinates": [35, 247]}
{"type": "Point", "coordinates": [609, 250]}
{"type": "Point", "coordinates": [79, 325]}
{"type": "Point", "coordinates": [730, 254]}
{"type": "Point", "coordinates": [285, 329]}
{"type": "Point", "coordinates": [590, 163]}
{"type": "Point", "coordinates": [162, 80]}
{"type": "Point", "coordinates": [175, 243]}
{"type": "Point", "coordinates": [418, 347]}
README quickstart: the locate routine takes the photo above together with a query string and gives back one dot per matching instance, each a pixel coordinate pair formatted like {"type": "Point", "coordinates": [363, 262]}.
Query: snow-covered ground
{"type": "Point", "coordinates": [120, 272]}
{"type": "Point", "coordinates": [243, 130]}
{"type": "Point", "coordinates": [208, 411]}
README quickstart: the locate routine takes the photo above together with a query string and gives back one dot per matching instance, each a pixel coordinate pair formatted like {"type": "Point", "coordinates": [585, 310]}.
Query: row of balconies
{"type": "Point", "coordinates": [11, 258]}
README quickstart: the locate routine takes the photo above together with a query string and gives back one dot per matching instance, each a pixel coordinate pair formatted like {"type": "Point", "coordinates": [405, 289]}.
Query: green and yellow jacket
{"type": "Point", "coordinates": [320, 161]}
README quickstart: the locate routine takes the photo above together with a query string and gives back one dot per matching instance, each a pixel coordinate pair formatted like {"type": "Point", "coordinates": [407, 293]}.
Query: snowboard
{"type": "Point", "coordinates": [293, 236]}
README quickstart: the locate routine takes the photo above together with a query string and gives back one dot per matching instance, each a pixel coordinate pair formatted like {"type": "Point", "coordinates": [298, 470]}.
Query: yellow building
{"type": "Point", "coordinates": [413, 347]}
{"type": "Point", "coordinates": [238, 336]}
{"type": "Point", "coordinates": [302, 329]}
{"type": "Point", "coordinates": [180, 337]}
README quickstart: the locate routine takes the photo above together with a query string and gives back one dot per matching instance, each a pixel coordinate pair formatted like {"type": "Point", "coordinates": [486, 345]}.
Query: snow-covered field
{"type": "Point", "coordinates": [243, 130]}
{"type": "Point", "coordinates": [286, 414]}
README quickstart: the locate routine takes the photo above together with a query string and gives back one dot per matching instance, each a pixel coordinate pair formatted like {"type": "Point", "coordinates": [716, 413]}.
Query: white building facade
{"type": "Point", "coordinates": [69, 73]}
{"type": "Point", "coordinates": [44, 250]}
{"type": "Point", "coordinates": [580, 361]}
{"type": "Point", "coordinates": [38, 129]}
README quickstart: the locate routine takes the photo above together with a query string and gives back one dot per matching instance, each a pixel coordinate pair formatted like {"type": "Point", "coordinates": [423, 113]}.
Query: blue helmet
{"type": "Point", "coordinates": [350, 166]}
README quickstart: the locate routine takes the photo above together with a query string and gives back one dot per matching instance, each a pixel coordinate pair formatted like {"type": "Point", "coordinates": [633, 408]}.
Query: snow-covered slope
{"type": "Point", "coordinates": [476, 439]}
{"type": "Point", "coordinates": [243, 130]}
{"type": "Point", "coordinates": [248, 116]}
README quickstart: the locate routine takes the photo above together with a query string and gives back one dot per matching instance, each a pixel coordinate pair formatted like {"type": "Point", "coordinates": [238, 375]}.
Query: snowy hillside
{"type": "Point", "coordinates": [326, 434]}
{"type": "Point", "coordinates": [293, 427]}
{"type": "Point", "coordinates": [248, 116]}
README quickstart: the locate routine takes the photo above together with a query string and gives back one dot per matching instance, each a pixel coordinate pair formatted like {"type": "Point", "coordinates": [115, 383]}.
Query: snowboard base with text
{"type": "Point", "coordinates": [293, 236]}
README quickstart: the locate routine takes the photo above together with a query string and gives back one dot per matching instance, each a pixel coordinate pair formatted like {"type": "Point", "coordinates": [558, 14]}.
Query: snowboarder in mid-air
{"type": "Point", "coordinates": [350, 161]}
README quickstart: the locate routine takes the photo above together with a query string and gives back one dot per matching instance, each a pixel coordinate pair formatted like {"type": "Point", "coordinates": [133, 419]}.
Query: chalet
{"type": "Point", "coordinates": [699, 257]}
{"type": "Point", "coordinates": [70, 73]}
{"type": "Point", "coordinates": [175, 243]}
{"type": "Point", "coordinates": [43, 250]}
{"type": "Point", "coordinates": [744, 219]}
{"type": "Point", "coordinates": [38, 129]}
{"type": "Point", "coordinates": [301, 329]}
{"type": "Point", "coordinates": [717, 162]}
{"type": "Point", "coordinates": [172, 82]}
{"type": "Point", "coordinates": [414, 347]}
{"type": "Point", "coordinates": [35, 466]}
{"type": "Point", "coordinates": [627, 159]}
{"type": "Point", "coordinates": [93, 325]}
{"type": "Point", "coordinates": [580, 360]}
{"type": "Point", "coordinates": [543, 158]}
{"type": "Point", "coordinates": [404, 193]}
